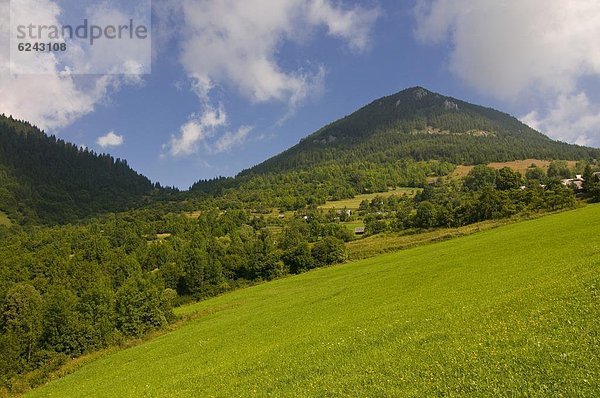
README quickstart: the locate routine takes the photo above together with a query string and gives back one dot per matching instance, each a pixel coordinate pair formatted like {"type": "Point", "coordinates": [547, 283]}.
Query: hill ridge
{"type": "Point", "coordinates": [384, 130]}
{"type": "Point", "coordinates": [49, 180]}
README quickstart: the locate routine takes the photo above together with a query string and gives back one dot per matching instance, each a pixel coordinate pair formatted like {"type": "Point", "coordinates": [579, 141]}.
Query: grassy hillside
{"type": "Point", "coordinates": [517, 165]}
{"type": "Point", "coordinates": [509, 311]}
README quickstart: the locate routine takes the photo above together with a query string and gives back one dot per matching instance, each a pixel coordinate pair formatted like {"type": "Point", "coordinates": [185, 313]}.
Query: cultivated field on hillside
{"type": "Point", "coordinates": [511, 311]}
{"type": "Point", "coordinates": [517, 165]}
{"type": "Point", "coordinates": [354, 203]}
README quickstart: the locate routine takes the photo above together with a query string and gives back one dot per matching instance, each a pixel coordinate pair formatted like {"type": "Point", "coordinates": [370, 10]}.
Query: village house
{"type": "Point", "coordinates": [347, 212]}
{"type": "Point", "coordinates": [576, 182]}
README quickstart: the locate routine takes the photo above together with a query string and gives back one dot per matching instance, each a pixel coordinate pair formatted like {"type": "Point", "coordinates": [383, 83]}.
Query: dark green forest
{"type": "Point", "coordinates": [47, 180]}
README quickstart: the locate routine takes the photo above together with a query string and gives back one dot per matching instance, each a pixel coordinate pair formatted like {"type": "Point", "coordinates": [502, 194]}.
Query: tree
{"type": "Point", "coordinates": [594, 192]}
{"type": "Point", "coordinates": [588, 178]}
{"type": "Point", "coordinates": [158, 255]}
{"type": "Point", "coordinates": [195, 262]}
{"type": "Point", "coordinates": [559, 169]}
{"type": "Point", "coordinates": [403, 215]}
{"type": "Point", "coordinates": [508, 179]}
{"type": "Point", "coordinates": [263, 258]}
{"type": "Point", "coordinates": [168, 299]}
{"type": "Point", "coordinates": [426, 216]}
{"type": "Point", "coordinates": [61, 324]}
{"type": "Point", "coordinates": [490, 204]}
{"type": "Point", "coordinates": [22, 317]}
{"type": "Point", "coordinates": [557, 196]}
{"type": "Point", "coordinates": [537, 174]}
{"type": "Point", "coordinates": [298, 258]}
{"type": "Point", "coordinates": [329, 251]}
{"type": "Point", "coordinates": [120, 267]}
{"type": "Point", "coordinates": [374, 225]}
{"type": "Point", "coordinates": [480, 177]}
{"type": "Point", "coordinates": [96, 309]}
{"type": "Point", "coordinates": [172, 274]}
{"type": "Point", "coordinates": [139, 307]}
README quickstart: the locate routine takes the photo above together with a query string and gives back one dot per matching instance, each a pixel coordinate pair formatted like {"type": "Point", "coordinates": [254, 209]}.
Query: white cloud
{"type": "Point", "coordinates": [236, 44]}
{"type": "Point", "coordinates": [572, 118]}
{"type": "Point", "coordinates": [132, 58]}
{"type": "Point", "coordinates": [197, 129]}
{"type": "Point", "coordinates": [110, 140]}
{"type": "Point", "coordinates": [507, 47]}
{"type": "Point", "coordinates": [232, 139]}
{"type": "Point", "coordinates": [522, 49]}
{"type": "Point", "coordinates": [56, 99]}
{"type": "Point", "coordinates": [353, 25]}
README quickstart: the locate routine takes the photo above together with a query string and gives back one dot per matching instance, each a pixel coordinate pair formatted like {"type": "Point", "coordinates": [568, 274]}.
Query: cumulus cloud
{"type": "Point", "coordinates": [129, 57]}
{"type": "Point", "coordinates": [232, 139]}
{"type": "Point", "coordinates": [197, 129]}
{"type": "Point", "coordinates": [56, 98]}
{"type": "Point", "coordinates": [571, 118]}
{"type": "Point", "coordinates": [236, 43]}
{"type": "Point", "coordinates": [200, 128]}
{"type": "Point", "coordinates": [523, 48]}
{"type": "Point", "coordinates": [111, 139]}
{"type": "Point", "coordinates": [353, 24]}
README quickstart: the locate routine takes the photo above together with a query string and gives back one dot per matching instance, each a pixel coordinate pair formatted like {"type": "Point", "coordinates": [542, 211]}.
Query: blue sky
{"type": "Point", "coordinates": [234, 82]}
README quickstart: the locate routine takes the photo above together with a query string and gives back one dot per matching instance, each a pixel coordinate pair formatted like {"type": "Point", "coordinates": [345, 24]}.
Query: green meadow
{"type": "Point", "coordinates": [354, 202]}
{"type": "Point", "coordinates": [510, 311]}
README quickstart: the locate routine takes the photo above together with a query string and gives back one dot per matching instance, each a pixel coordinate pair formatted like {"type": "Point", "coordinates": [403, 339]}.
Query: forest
{"type": "Point", "coordinates": [47, 180]}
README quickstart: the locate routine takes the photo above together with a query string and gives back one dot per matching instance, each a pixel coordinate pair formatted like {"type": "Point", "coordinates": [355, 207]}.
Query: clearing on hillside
{"type": "Point", "coordinates": [354, 203]}
{"type": "Point", "coordinates": [517, 165]}
{"type": "Point", "coordinates": [508, 311]}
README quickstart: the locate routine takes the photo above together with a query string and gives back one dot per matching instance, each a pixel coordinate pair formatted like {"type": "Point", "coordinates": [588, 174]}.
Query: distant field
{"type": "Point", "coordinates": [351, 225]}
{"type": "Point", "coordinates": [355, 202]}
{"type": "Point", "coordinates": [193, 214]}
{"type": "Point", "coordinates": [517, 165]}
{"type": "Point", "coordinates": [275, 229]}
{"type": "Point", "coordinates": [511, 311]}
{"type": "Point", "coordinates": [4, 220]}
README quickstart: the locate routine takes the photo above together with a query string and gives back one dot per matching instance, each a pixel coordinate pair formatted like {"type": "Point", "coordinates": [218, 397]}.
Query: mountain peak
{"type": "Point", "coordinates": [419, 124]}
{"type": "Point", "coordinates": [418, 92]}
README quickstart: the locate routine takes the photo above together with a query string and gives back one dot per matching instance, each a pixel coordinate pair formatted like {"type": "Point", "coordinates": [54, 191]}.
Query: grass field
{"type": "Point", "coordinates": [518, 165]}
{"type": "Point", "coordinates": [511, 311]}
{"type": "Point", "coordinates": [351, 225]}
{"type": "Point", "coordinates": [355, 202]}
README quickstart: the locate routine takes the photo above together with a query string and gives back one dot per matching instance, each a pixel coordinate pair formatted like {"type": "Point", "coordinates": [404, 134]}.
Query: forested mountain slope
{"type": "Point", "coordinates": [45, 179]}
{"type": "Point", "coordinates": [420, 125]}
